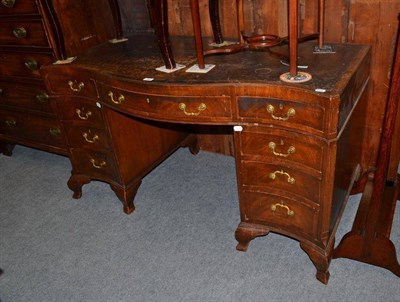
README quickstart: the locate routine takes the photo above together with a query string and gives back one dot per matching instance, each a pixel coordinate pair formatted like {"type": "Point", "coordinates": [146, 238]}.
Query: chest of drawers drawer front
{"type": "Point", "coordinates": [169, 108]}
{"type": "Point", "coordinates": [23, 64]}
{"type": "Point", "coordinates": [287, 180]}
{"type": "Point", "coordinates": [294, 217]}
{"type": "Point", "coordinates": [87, 137]}
{"type": "Point", "coordinates": [17, 7]}
{"type": "Point", "coordinates": [23, 33]}
{"type": "Point", "coordinates": [274, 145]}
{"type": "Point", "coordinates": [96, 164]}
{"type": "Point", "coordinates": [72, 86]}
{"type": "Point", "coordinates": [33, 128]}
{"type": "Point", "coordinates": [25, 95]}
{"type": "Point", "coordinates": [81, 110]}
{"type": "Point", "coordinates": [283, 113]}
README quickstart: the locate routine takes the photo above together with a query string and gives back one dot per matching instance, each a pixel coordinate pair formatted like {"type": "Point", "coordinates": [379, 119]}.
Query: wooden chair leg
{"type": "Point", "coordinates": [213, 9]}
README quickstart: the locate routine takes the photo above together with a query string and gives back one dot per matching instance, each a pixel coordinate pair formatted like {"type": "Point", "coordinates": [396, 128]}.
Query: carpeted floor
{"type": "Point", "coordinates": [177, 246]}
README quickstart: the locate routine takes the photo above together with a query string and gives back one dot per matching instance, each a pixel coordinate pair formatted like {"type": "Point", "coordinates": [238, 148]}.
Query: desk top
{"type": "Point", "coordinates": [138, 58]}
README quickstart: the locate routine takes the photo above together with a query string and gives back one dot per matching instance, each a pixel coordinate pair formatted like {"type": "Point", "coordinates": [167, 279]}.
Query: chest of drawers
{"type": "Point", "coordinates": [34, 33]}
{"type": "Point", "coordinates": [296, 149]}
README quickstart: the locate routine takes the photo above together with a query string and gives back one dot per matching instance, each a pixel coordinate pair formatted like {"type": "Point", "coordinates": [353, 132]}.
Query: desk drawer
{"type": "Point", "coordinates": [16, 7]}
{"type": "Point", "coordinates": [25, 96]}
{"type": "Point", "coordinates": [71, 85]}
{"type": "Point", "coordinates": [283, 113]}
{"type": "Point", "coordinates": [285, 179]}
{"type": "Point", "coordinates": [170, 108]}
{"type": "Point", "coordinates": [87, 137]}
{"type": "Point", "coordinates": [32, 128]}
{"type": "Point", "coordinates": [97, 165]}
{"type": "Point", "coordinates": [24, 33]}
{"type": "Point", "coordinates": [79, 109]}
{"type": "Point", "coordinates": [293, 216]}
{"type": "Point", "coordinates": [23, 64]}
{"type": "Point", "coordinates": [275, 145]}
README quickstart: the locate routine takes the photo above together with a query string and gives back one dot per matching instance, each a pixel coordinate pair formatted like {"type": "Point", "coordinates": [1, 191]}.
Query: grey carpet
{"type": "Point", "coordinates": [177, 246]}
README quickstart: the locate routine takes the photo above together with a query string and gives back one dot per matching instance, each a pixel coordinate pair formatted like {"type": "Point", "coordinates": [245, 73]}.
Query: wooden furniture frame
{"type": "Point", "coordinates": [158, 10]}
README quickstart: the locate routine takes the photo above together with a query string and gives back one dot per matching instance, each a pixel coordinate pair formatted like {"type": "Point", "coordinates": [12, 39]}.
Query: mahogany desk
{"type": "Point", "coordinates": [297, 150]}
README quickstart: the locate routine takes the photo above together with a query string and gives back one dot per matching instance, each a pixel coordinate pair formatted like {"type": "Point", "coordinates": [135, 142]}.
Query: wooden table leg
{"type": "Point", "coordinates": [158, 10]}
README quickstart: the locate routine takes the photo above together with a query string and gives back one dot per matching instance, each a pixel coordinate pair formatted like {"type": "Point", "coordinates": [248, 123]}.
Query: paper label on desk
{"type": "Point", "coordinates": [165, 69]}
{"type": "Point", "coordinates": [238, 128]}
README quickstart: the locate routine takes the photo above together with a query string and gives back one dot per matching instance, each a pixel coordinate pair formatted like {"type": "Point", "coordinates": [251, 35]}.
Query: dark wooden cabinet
{"type": "Point", "coordinates": [32, 35]}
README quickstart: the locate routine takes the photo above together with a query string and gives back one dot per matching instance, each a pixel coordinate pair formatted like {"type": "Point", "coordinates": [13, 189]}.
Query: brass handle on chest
{"type": "Point", "coordinates": [281, 205]}
{"type": "Point", "coordinates": [272, 146]}
{"type": "Point", "coordinates": [290, 179]}
{"type": "Point", "coordinates": [19, 32]}
{"type": "Point", "coordinates": [42, 97]}
{"type": "Point", "coordinates": [90, 140]}
{"type": "Point", "coordinates": [75, 86]}
{"type": "Point", "coordinates": [202, 107]}
{"type": "Point", "coordinates": [290, 113]}
{"type": "Point", "coordinates": [55, 131]}
{"type": "Point", "coordinates": [8, 3]}
{"type": "Point", "coordinates": [11, 123]}
{"type": "Point", "coordinates": [117, 101]}
{"type": "Point", "coordinates": [82, 115]}
{"type": "Point", "coordinates": [31, 64]}
{"type": "Point", "coordinates": [96, 165]}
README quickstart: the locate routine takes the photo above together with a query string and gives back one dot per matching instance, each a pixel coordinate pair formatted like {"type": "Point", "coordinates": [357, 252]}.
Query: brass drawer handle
{"type": "Point", "coordinates": [202, 107]}
{"type": "Point", "coordinates": [11, 123]}
{"type": "Point", "coordinates": [42, 97]}
{"type": "Point", "coordinates": [55, 131]}
{"type": "Point", "coordinates": [90, 140]}
{"type": "Point", "coordinates": [117, 101]}
{"type": "Point", "coordinates": [8, 3]}
{"type": "Point", "coordinates": [281, 205]}
{"type": "Point", "coordinates": [1, 91]}
{"type": "Point", "coordinates": [75, 86]}
{"type": "Point", "coordinates": [82, 115]}
{"type": "Point", "coordinates": [31, 64]}
{"type": "Point", "coordinates": [290, 180]}
{"type": "Point", "coordinates": [272, 146]}
{"type": "Point", "coordinates": [19, 32]}
{"type": "Point", "coordinates": [290, 113]}
{"type": "Point", "coordinates": [97, 166]}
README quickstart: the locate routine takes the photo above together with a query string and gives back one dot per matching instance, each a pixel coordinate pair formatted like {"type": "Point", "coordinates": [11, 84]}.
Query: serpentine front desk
{"type": "Point", "coordinates": [297, 146]}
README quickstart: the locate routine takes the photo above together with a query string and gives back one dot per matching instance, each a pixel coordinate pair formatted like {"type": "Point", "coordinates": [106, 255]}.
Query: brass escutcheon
{"type": "Point", "coordinates": [42, 97]}
{"type": "Point", "coordinates": [97, 166]}
{"type": "Point", "coordinates": [272, 146]}
{"type": "Point", "coordinates": [117, 101]}
{"type": "Point", "coordinates": [11, 123]}
{"type": "Point", "coordinates": [90, 140]}
{"type": "Point", "coordinates": [75, 86]}
{"type": "Point", "coordinates": [55, 131]}
{"type": "Point", "coordinates": [8, 3]}
{"type": "Point", "coordinates": [82, 115]}
{"type": "Point", "coordinates": [202, 107]}
{"type": "Point", "coordinates": [31, 64]}
{"type": "Point", "coordinates": [271, 110]}
{"type": "Point", "coordinates": [19, 32]}
{"type": "Point", "coordinates": [281, 205]}
{"type": "Point", "coordinates": [290, 180]}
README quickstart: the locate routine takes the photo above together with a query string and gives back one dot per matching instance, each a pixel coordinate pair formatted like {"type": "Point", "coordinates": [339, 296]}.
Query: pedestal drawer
{"type": "Point", "coordinates": [292, 216]}
{"type": "Point", "coordinates": [283, 113]}
{"type": "Point", "coordinates": [73, 85]}
{"type": "Point", "coordinates": [99, 165]}
{"type": "Point", "coordinates": [286, 180]}
{"type": "Point", "coordinates": [82, 110]}
{"type": "Point", "coordinates": [275, 145]}
{"type": "Point", "coordinates": [32, 128]}
{"type": "Point", "coordinates": [87, 137]}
